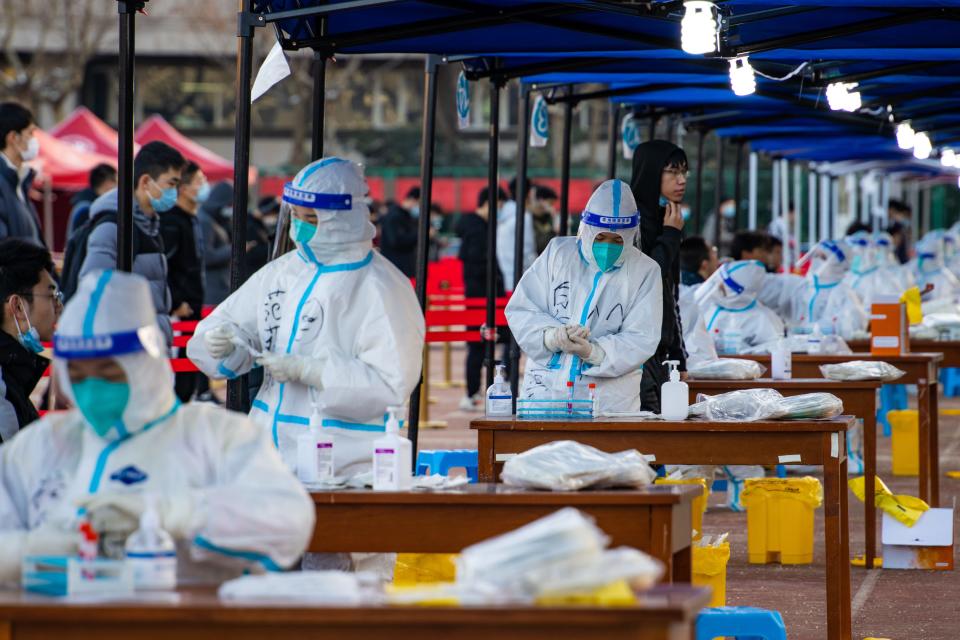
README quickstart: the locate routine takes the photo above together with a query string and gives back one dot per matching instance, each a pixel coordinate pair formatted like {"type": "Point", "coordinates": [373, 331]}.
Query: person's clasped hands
{"type": "Point", "coordinates": [574, 339]}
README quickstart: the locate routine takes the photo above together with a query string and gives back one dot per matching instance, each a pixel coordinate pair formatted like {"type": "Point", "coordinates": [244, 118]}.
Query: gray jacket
{"type": "Point", "coordinates": [216, 256]}
{"type": "Point", "coordinates": [152, 265]}
{"type": "Point", "coordinates": [18, 218]}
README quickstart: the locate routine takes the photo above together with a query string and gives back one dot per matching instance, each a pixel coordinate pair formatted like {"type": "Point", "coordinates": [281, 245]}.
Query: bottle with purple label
{"type": "Point", "coordinates": [323, 448]}
{"type": "Point", "coordinates": [392, 457]}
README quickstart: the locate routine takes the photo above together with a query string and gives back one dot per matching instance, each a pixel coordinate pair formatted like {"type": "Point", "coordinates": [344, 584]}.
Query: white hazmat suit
{"type": "Point", "coordinates": [339, 327]}
{"type": "Point", "coordinates": [733, 316]}
{"type": "Point", "coordinates": [220, 488]}
{"type": "Point", "coordinates": [619, 308]}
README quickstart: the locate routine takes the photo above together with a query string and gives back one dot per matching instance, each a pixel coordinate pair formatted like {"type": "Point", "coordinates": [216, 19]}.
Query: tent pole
{"type": "Point", "coordinates": [752, 178]}
{"type": "Point", "coordinates": [565, 168]}
{"type": "Point", "coordinates": [237, 388]}
{"type": "Point", "coordinates": [612, 142]}
{"type": "Point", "coordinates": [493, 185]}
{"type": "Point", "coordinates": [718, 197]}
{"type": "Point", "coordinates": [319, 99]}
{"type": "Point", "coordinates": [811, 207]}
{"type": "Point", "coordinates": [519, 227]}
{"type": "Point", "coordinates": [698, 196]}
{"type": "Point", "coordinates": [427, 136]}
{"type": "Point", "coordinates": [737, 177]}
{"type": "Point", "coordinates": [128, 12]}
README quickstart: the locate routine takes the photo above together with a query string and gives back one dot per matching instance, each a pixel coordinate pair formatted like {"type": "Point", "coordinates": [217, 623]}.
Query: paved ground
{"type": "Point", "coordinates": [900, 605]}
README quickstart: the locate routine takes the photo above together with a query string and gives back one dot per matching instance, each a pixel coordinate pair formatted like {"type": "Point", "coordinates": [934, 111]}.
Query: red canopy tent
{"type": "Point", "coordinates": [85, 131]}
{"type": "Point", "coordinates": [64, 165]}
{"type": "Point", "coordinates": [213, 166]}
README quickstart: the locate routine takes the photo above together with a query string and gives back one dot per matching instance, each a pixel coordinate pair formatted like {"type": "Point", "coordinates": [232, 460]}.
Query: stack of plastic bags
{"type": "Point", "coordinates": [752, 405]}
{"type": "Point", "coordinates": [726, 369]}
{"type": "Point", "coordinates": [566, 465]}
{"type": "Point", "coordinates": [335, 588]}
{"type": "Point", "coordinates": [861, 370]}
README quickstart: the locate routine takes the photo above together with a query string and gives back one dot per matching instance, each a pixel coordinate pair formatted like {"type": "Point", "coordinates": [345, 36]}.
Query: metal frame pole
{"type": "Point", "coordinates": [125, 186]}
{"type": "Point", "coordinates": [737, 176]}
{"type": "Point", "coordinates": [319, 104]}
{"type": "Point", "coordinates": [752, 178]}
{"type": "Point", "coordinates": [565, 168]}
{"type": "Point", "coordinates": [612, 131]}
{"type": "Point", "coordinates": [427, 137]}
{"type": "Point", "coordinates": [519, 227]}
{"type": "Point", "coordinates": [811, 207]}
{"type": "Point", "coordinates": [237, 392]}
{"type": "Point", "coordinates": [718, 196]}
{"type": "Point", "coordinates": [698, 196]}
{"type": "Point", "coordinates": [797, 208]}
{"type": "Point", "coordinates": [492, 190]}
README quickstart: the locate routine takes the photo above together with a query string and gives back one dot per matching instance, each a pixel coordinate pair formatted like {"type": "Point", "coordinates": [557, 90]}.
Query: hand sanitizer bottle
{"type": "Point", "coordinates": [499, 396]}
{"type": "Point", "coordinates": [674, 395]}
{"type": "Point", "coordinates": [152, 553]}
{"type": "Point", "coordinates": [323, 450]}
{"type": "Point", "coordinates": [815, 339]}
{"type": "Point", "coordinates": [781, 360]}
{"type": "Point", "coordinates": [392, 457]}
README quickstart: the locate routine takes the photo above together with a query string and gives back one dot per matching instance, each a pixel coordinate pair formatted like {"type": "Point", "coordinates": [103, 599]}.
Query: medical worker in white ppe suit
{"type": "Point", "coordinates": [339, 327]}
{"type": "Point", "coordinates": [590, 307]}
{"type": "Point", "coordinates": [219, 486]}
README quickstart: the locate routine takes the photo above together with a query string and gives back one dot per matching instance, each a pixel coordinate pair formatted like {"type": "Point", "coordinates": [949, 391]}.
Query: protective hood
{"type": "Point", "coordinates": [611, 209]}
{"type": "Point", "coordinates": [930, 252]}
{"type": "Point", "coordinates": [860, 251]}
{"type": "Point", "coordinates": [337, 190]}
{"type": "Point", "coordinates": [112, 316]}
{"type": "Point", "coordinates": [828, 263]}
{"type": "Point", "coordinates": [734, 285]}
{"type": "Point", "coordinates": [649, 161]}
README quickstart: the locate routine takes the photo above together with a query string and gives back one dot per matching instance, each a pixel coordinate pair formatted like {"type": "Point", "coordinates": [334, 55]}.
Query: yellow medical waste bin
{"type": "Point", "coordinates": [710, 570]}
{"type": "Point", "coordinates": [699, 504]}
{"type": "Point", "coordinates": [905, 426]}
{"type": "Point", "coordinates": [424, 568]}
{"type": "Point", "coordinates": [780, 519]}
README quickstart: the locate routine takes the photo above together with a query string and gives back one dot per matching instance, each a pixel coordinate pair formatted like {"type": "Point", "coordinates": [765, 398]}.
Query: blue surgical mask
{"type": "Point", "coordinates": [663, 201]}
{"type": "Point", "coordinates": [415, 211]}
{"type": "Point", "coordinates": [102, 403]}
{"type": "Point", "coordinates": [166, 201]}
{"type": "Point", "coordinates": [606, 254]}
{"type": "Point", "coordinates": [302, 232]}
{"type": "Point", "coordinates": [685, 212]}
{"type": "Point", "coordinates": [31, 339]}
{"type": "Point", "coordinates": [728, 210]}
{"type": "Point", "coordinates": [203, 193]}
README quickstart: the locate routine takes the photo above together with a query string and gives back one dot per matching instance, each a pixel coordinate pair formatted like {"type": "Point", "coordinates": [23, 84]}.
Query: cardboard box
{"type": "Point", "coordinates": [926, 545]}
{"type": "Point", "coordinates": [890, 332]}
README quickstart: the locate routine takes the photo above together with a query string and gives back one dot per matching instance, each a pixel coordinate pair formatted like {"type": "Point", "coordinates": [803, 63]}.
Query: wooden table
{"type": "Point", "coordinates": [656, 519]}
{"type": "Point", "coordinates": [663, 613]}
{"type": "Point", "coordinates": [817, 442]}
{"type": "Point", "coordinates": [949, 349]}
{"type": "Point", "coordinates": [920, 369]}
{"type": "Point", "coordinates": [859, 399]}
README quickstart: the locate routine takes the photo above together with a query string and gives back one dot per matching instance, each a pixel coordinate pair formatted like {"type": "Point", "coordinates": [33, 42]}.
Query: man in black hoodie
{"type": "Point", "coordinates": [659, 182]}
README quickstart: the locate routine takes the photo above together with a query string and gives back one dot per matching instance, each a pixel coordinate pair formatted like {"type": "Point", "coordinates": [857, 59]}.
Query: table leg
{"type": "Point", "coordinates": [683, 566]}
{"type": "Point", "coordinates": [846, 602]}
{"type": "Point", "coordinates": [934, 445]}
{"type": "Point", "coordinates": [923, 414]}
{"type": "Point", "coordinates": [661, 539]}
{"type": "Point", "coordinates": [837, 553]}
{"type": "Point", "coordinates": [869, 414]}
{"type": "Point", "coordinates": [486, 456]}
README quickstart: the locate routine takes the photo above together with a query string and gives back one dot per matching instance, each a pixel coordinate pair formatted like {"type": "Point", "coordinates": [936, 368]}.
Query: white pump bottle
{"type": "Point", "coordinates": [674, 395]}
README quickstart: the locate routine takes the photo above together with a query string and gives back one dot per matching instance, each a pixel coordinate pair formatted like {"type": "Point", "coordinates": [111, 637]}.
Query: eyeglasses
{"type": "Point", "coordinates": [677, 173]}
{"type": "Point", "coordinates": [56, 296]}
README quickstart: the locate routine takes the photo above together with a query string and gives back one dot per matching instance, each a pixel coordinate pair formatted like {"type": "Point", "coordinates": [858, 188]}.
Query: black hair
{"type": "Point", "coordinates": [156, 158]}
{"type": "Point", "coordinates": [745, 241]}
{"type": "Point", "coordinates": [21, 264]}
{"type": "Point", "coordinates": [190, 169]}
{"type": "Point", "coordinates": [101, 173]}
{"type": "Point", "coordinates": [13, 117]}
{"type": "Point", "coordinates": [693, 252]}
{"type": "Point", "coordinates": [413, 193]}
{"type": "Point", "coordinates": [895, 228]}
{"type": "Point", "coordinates": [791, 206]}
{"type": "Point", "coordinates": [484, 196]}
{"type": "Point", "coordinates": [513, 188]}
{"type": "Point", "coordinates": [774, 242]}
{"type": "Point", "coordinates": [677, 160]}
{"type": "Point", "coordinates": [899, 205]}
{"type": "Point", "coordinates": [546, 193]}
{"type": "Point", "coordinates": [857, 226]}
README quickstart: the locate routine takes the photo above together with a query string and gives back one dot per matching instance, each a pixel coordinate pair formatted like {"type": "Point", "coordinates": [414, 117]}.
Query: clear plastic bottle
{"type": "Point", "coordinates": [499, 395]}
{"type": "Point", "coordinates": [392, 457]}
{"type": "Point", "coordinates": [781, 360]}
{"type": "Point", "coordinates": [152, 553]}
{"type": "Point", "coordinates": [815, 340]}
{"type": "Point", "coordinates": [674, 395]}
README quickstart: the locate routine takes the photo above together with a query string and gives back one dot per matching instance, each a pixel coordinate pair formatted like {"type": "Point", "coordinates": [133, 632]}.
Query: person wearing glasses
{"type": "Point", "coordinates": [31, 306]}
{"type": "Point", "coordinates": [659, 184]}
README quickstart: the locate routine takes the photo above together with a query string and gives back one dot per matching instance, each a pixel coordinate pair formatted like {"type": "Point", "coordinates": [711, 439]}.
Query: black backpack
{"type": "Point", "coordinates": [76, 252]}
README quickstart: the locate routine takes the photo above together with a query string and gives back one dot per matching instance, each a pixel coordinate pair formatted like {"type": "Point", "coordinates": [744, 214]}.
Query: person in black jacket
{"type": "Point", "coordinates": [183, 246]}
{"type": "Point", "coordinates": [18, 145]}
{"type": "Point", "coordinates": [31, 306]}
{"type": "Point", "coordinates": [659, 183]}
{"type": "Point", "coordinates": [398, 233]}
{"type": "Point", "coordinates": [472, 230]}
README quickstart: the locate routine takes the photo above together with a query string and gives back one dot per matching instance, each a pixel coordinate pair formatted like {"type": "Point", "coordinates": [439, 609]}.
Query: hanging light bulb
{"type": "Point", "coordinates": [922, 146]}
{"type": "Point", "coordinates": [948, 158]}
{"type": "Point", "coordinates": [742, 79]}
{"type": "Point", "coordinates": [841, 96]}
{"type": "Point", "coordinates": [905, 135]}
{"type": "Point", "coordinates": [698, 29]}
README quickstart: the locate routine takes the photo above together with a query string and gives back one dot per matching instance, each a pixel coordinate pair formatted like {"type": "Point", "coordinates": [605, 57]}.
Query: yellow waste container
{"type": "Point", "coordinates": [424, 568]}
{"type": "Point", "coordinates": [699, 504]}
{"type": "Point", "coordinates": [780, 519]}
{"type": "Point", "coordinates": [710, 570]}
{"type": "Point", "coordinates": [905, 426]}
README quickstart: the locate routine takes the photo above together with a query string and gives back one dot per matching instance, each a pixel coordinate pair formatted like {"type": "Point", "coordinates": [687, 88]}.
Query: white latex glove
{"type": "Point", "coordinates": [219, 341]}
{"type": "Point", "coordinates": [46, 540]}
{"type": "Point", "coordinates": [578, 330]}
{"type": "Point", "coordinates": [118, 514]}
{"type": "Point", "coordinates": [293, 368]}
{"type": "Point", "coordinates": [586, 350]}
{"type": "Point", "coordinates": [552, 338]}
